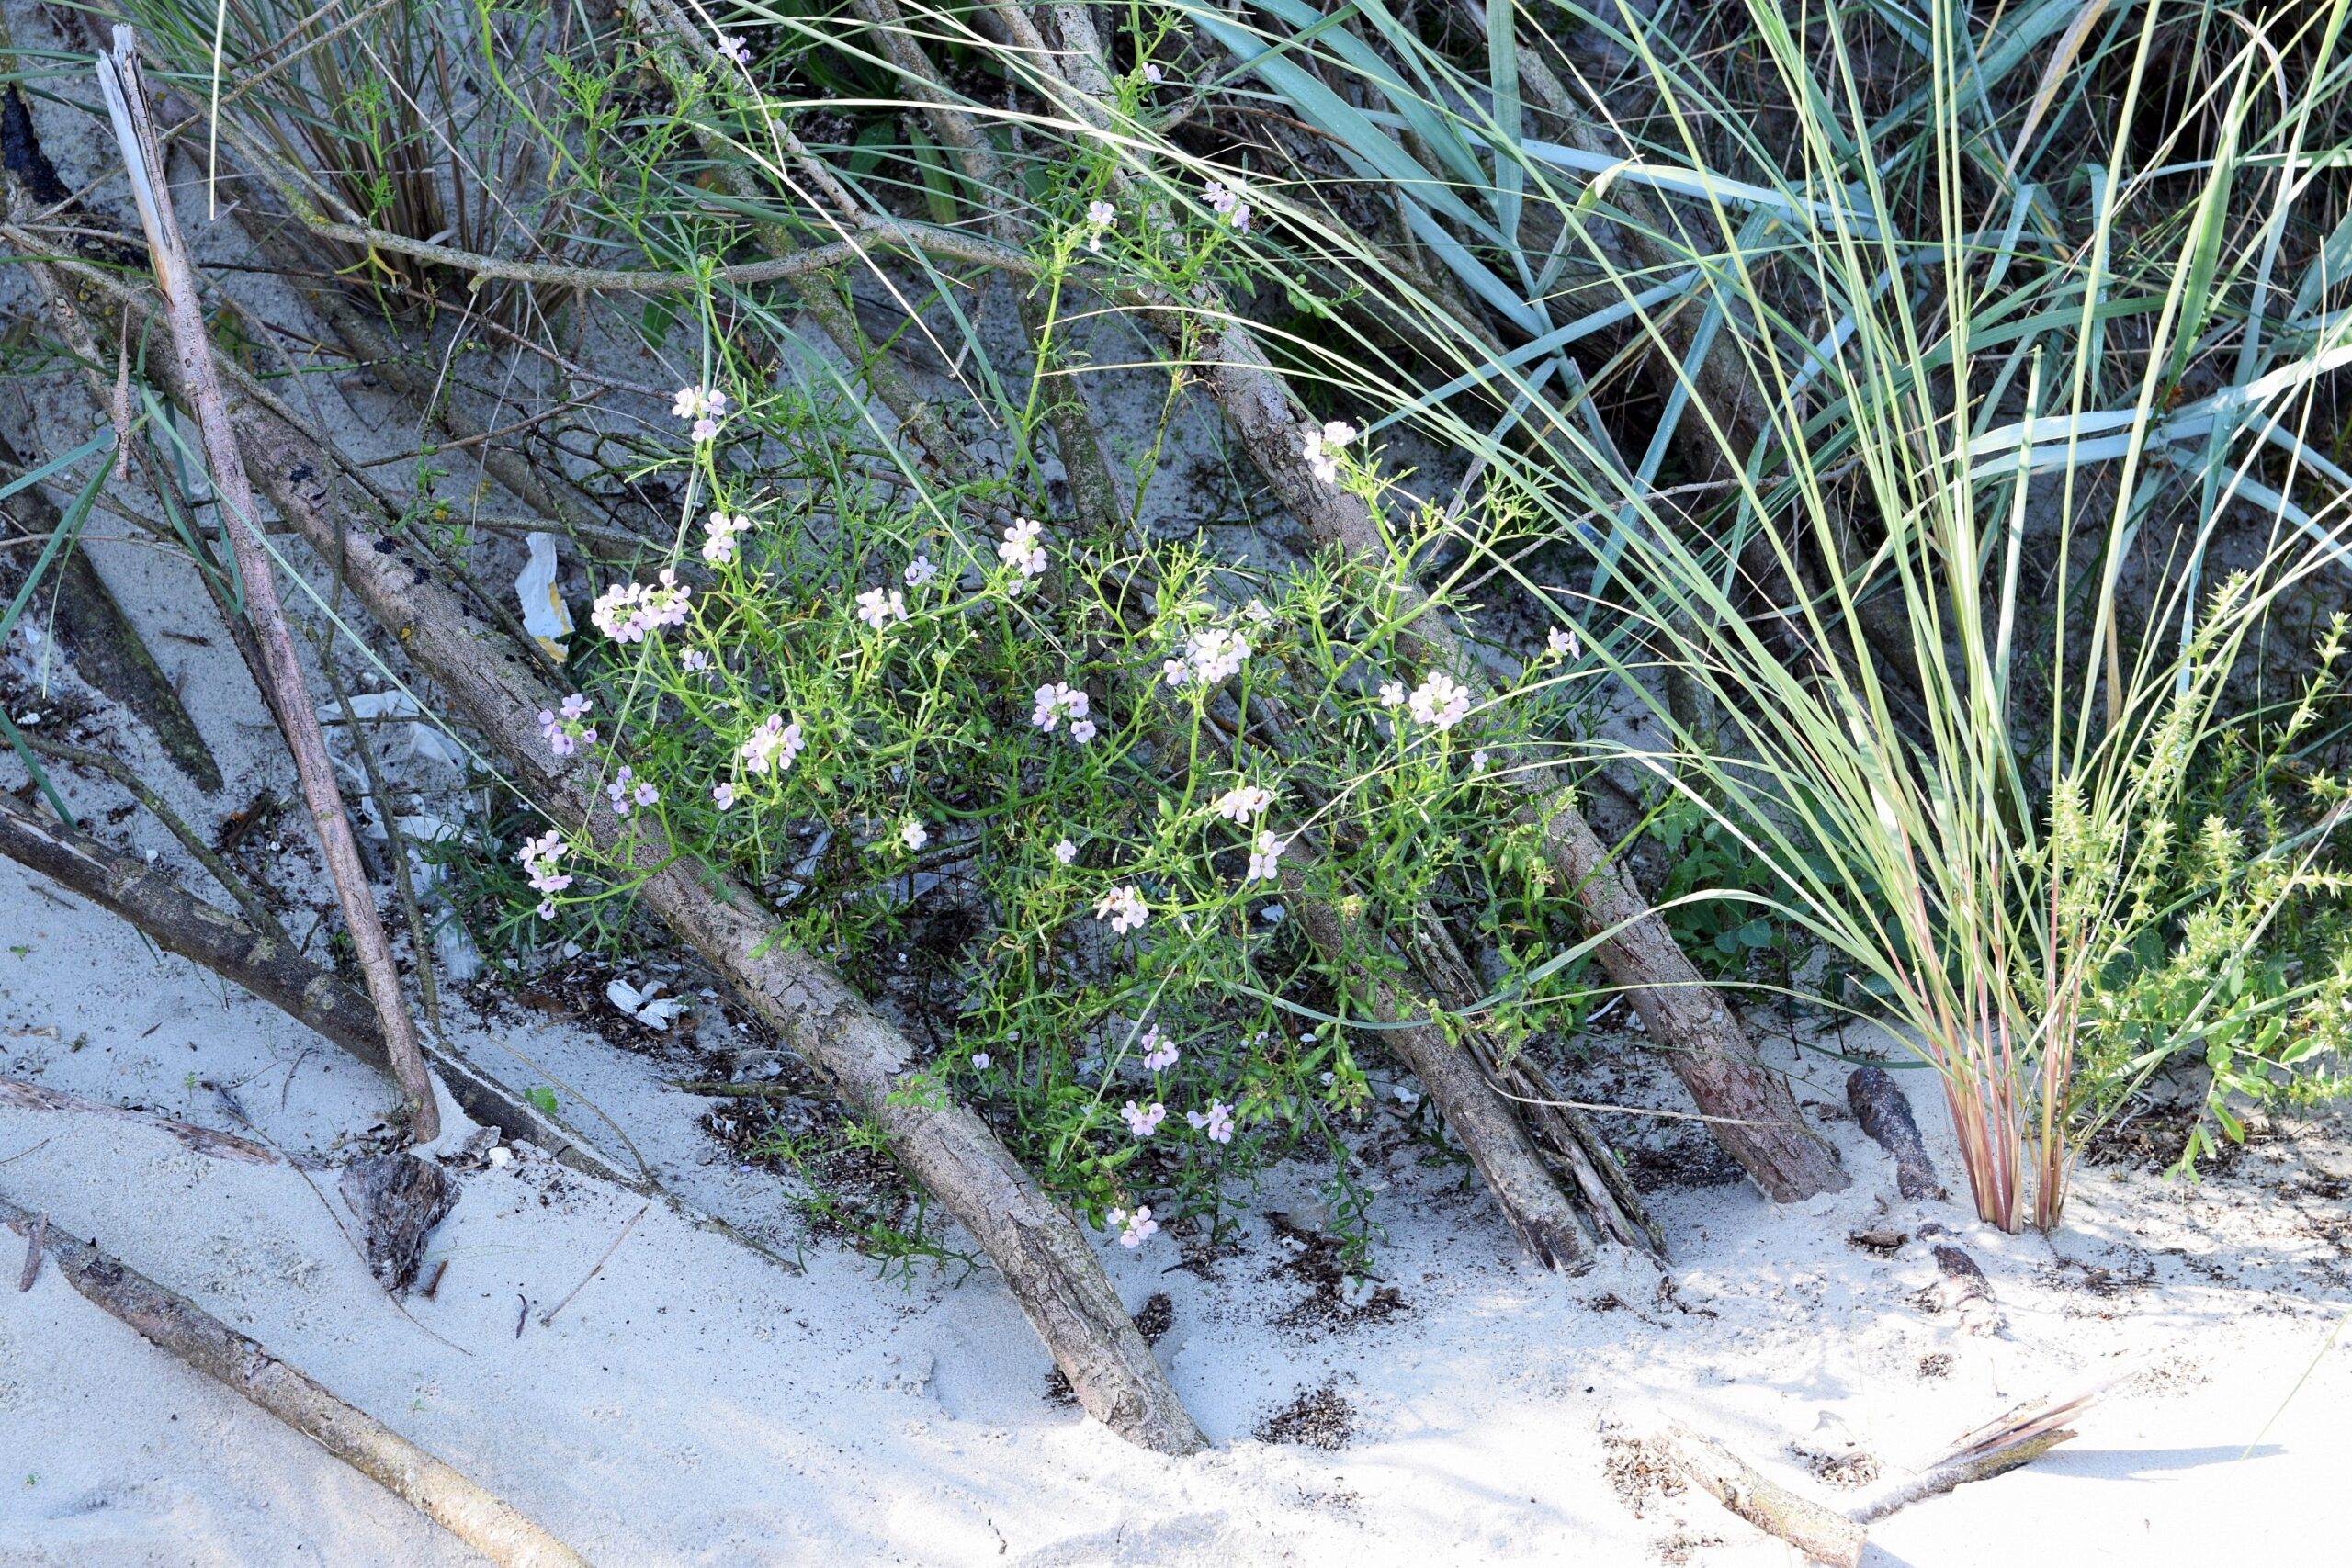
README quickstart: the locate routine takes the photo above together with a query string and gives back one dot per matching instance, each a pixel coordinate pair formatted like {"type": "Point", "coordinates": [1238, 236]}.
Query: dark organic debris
{"type": "Point", "coordinates": [398, 1199]}
{"type": "Point", "coordinates": [1885, 1113]}
{"type": "Point", "coordinates": [1317, 1419]}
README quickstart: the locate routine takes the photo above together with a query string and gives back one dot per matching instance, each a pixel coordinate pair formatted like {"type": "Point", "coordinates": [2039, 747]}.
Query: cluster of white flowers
{"type": "Point", "coordinates": [1062, 701]}
{"type": "Point", "coordinates": [1100, 218]}
{"type": "Point", "coordinates": [919, 571]}
{"type": "Point", "coordinates": [1441, 700]}
{"type": "Point", "coordinates": [1123, 908]}
{"type": "Point", "coordinates": [1242, 802]}
{"type": "Point", "coordinates": [561, 727]}
{"type": "Point", "coordinates": [1216, 1122]}
{"type": "Point", "coordinates": [627, 613]}
{"type": "Point", "coordinates": [1562, 644]}
{"type": "Point", "coordinates": [1265, 859]}
{"type": "Point", "coordinates": [1144, 1121]}
{"type": "Point", "coordinates": [1322, 448]}
{"type": "Point", "coordinates": [1226, 203]}
{"type": "Point", "coordinates": [1134, 1229]}
{"type": "Point", "coordinates": [1210, 656]}
{"type": "Point", "coordinates": [1019, 548]}
{"type": "Point", "coordinates": [538, 857]}
{"type": "Point", "coordinates": [628, 791]}
{"type": "Point", "coordinates": [702, 405]}
{"type": "Point", "coordinates": [772, 746]}
{"type": "Point", "coordinates": [1159, 1051]}
{"type": "Point", "coordinates": [877, 608]}
{"type": "Point", "coordinates": [718, 536]}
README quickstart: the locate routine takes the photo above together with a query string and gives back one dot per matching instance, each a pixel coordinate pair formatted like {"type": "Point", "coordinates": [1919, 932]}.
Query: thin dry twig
{"type": "Point", "coordinates": [547, 1318]}
{"type": "Point", "coordinates": [119, 80]}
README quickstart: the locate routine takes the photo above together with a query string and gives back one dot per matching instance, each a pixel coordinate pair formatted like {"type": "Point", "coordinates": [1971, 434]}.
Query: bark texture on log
{"type": "Point", "coordinates": [1883, 1111]}
{"type": "Point", "coordinates": [1489, 1130]}
{"type": "Point", "coordinates": [200, 383]}
{"type": "Point", "coordinates": [1812, 1527]}
{"type": "Point", "coordinates": [172, 1323]}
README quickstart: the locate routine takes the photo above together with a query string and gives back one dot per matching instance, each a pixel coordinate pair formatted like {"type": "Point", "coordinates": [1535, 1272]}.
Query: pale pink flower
{"type": "Point", "coordinates": [1059, 700]}
{"type": "Point", "coordinates": [919, 570]}
{"type": "Point", "coordinates": [1159, 1051]}
{"type": "Point", "coordinates": [1478, 761]}
{"type": "Point", "coordinates": [722, 794]}
{"type": "Point", "coordinates": [1134, 1229]}
{"type": "Point", "coordinates": [1153, 75]}
{"type": "Point", "coordinates": [1265, 859]}
{"type": "Point", "coordinates": [772, 746]}
{"type": "Point", "coordinates": [1082, 730]}
{"type": "Point", "coordinates": [1065, 851]}
{"type": "Point", "coordinates": [914, 835]}
{"type": "Point", "coordinates": [697, 402]}
{"type": "Point", "coordinates": [736, 50]}
{"type": "Point", "coordinates": [1216, 1122]}
{"type": "Point", "coordinates": [1563, 643]}
{"type": "Point", "coordinates": [1322, 448]}
{"type": "Point", "coordinates": [1021, 549]}
{"type": "Point", "coordinates": [1243, 802]}
{"type": "Point", "coordinates": [1442, 700]}
{"type": "Point", "coordinates": [1123, 908]}
{"type": "Point", "coordinates": [878, 609]}
{"type": "Point", "coordinates": [706, 430]}
{"type": "Point", "coordinates": [1392, 693]}
{"type": "Point", "coordinates": [980, 1061]}
{"type": "Point", "coordinates": [718, 536]}
{"type": "Point", "coordinates": [1143, 1122]}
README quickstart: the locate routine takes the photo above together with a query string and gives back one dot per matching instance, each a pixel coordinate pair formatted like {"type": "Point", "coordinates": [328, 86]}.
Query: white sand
{"type": "Point", "coordinates": [698, 1404]}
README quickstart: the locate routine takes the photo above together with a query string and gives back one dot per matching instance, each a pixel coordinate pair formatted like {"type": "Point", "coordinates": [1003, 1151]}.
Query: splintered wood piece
{"type": "Point", "coordinates": [20, 1096]}
{"type": "Point", "coordinates": [398, 1199]}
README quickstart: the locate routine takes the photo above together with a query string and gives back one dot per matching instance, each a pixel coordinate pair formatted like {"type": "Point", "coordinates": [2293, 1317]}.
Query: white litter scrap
{"type": "Point", "coordinates": [648, 1007]}
{"type": "Point", "coordinates": [544, 616]}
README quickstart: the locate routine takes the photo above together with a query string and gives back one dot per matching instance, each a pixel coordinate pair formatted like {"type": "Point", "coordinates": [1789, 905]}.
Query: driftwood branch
{"type": "Point", "coordinates": [1831, 1536]}
{"type": "Point", "coordinates": [172, 1323]}
{"type": "Point", "coordinates": [120, 81]}
{"type": "Point", "coordinates": [17, 1095]}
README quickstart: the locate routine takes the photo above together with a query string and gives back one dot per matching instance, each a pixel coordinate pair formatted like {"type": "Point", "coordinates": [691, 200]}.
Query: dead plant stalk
{"type": "Point", "coordinates": [119, 80]}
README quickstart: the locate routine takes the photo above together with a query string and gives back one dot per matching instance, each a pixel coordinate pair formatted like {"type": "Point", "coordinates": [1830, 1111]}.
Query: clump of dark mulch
{"type": "Point", "coordinates": [1682, 1159]}
{"type": "Point", "coordinates": [1314, 1257]}
{"type": "Point", "coordinates": [1320, 1417]}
